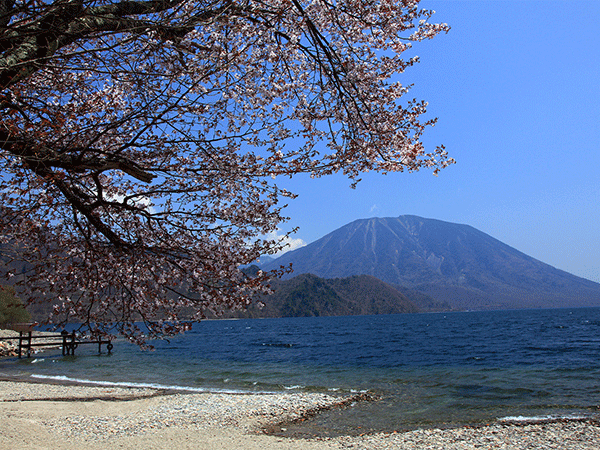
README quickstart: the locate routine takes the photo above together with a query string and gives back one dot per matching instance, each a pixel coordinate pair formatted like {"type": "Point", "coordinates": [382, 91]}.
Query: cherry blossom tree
{"type": "Point", "coordinates": [141, 140]}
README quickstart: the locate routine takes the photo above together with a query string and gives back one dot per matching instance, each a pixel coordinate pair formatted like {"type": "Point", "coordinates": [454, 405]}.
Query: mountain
{"type": "Point", "coordinates": [450, 262]}
{"type": "Point", "coordinates": [308, 295]}
{"type": "Point", "coordinates": [263, 261]}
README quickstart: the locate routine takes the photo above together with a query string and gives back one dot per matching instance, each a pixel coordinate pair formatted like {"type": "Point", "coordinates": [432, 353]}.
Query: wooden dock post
{"type": "Point", "coordinates": [69, 346]}
{"type": "Point", "coordinates": [25, 332]}
{"type": "Point", "coordinates": [27, 339]}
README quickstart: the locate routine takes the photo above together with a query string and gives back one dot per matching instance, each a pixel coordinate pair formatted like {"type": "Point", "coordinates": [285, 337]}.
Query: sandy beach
{"type": "Point", "coordinates": [36, 416]}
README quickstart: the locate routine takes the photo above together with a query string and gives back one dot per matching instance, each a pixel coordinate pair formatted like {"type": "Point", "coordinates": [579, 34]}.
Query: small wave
{"type": "Point", "coordinates": [129, 384]}
{"type": "Point", "coordinates": [277, 344]}
{"type": "Point", "coordinates": [543, 419]}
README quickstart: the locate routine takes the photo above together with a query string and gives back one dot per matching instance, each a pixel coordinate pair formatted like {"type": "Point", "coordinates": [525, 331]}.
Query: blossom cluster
{"type": "Point", "coordinates": [142, 141]}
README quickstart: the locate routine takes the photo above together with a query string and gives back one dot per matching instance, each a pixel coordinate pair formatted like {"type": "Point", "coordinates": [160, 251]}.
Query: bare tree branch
{"type": "Point", "coordinates": [141, 141]}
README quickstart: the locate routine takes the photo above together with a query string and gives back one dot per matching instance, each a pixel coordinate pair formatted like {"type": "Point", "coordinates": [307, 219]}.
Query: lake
{"type": "Point", "coordinates": [442, 369]}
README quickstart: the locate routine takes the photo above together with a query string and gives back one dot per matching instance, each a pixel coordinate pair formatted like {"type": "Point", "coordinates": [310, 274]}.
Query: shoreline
{"type": "Point", "coordinates": [42, 415]}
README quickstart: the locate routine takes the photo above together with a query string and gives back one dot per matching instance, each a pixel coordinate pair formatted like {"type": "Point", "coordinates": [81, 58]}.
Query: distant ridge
{"type": "Point", "coordinates": [310, 296]}
{"type": "Point", "coordinates": [450, 262]}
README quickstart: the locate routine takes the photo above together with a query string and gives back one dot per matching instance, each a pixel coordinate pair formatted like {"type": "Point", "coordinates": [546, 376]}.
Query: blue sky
{"type": "Point", "coordinates": [516, 88]}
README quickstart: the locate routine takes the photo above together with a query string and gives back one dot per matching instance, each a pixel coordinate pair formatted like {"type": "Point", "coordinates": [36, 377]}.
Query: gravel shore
{"type": "Point", "coordinates": [67, 417]}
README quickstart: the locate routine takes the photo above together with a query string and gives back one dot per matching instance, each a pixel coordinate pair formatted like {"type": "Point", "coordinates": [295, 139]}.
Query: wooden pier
{"type": "Point", "coordinates": [67, 341]}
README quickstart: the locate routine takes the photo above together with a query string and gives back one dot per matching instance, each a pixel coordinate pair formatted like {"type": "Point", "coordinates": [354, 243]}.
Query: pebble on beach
{"type": "Point", "coordinates": [243, 411]}
{"type": "Point", "coordinates": [136, 412]}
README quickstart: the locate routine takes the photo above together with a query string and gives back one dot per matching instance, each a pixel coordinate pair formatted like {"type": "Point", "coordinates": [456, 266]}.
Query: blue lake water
{"type": "Point", "coordinates": [441, 369]}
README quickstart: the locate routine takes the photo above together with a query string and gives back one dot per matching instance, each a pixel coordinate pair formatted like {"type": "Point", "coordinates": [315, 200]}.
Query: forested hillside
{"type": "Point", "coordinates": [308, 295]}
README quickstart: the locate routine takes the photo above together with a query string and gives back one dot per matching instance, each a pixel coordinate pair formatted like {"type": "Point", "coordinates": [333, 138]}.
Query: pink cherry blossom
{"type": "Point", "coordinates": [142, 141]}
